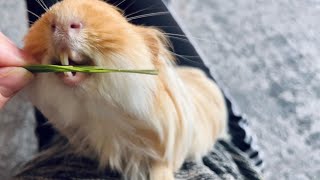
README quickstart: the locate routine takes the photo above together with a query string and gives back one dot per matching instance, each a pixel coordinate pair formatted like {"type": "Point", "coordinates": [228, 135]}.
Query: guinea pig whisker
{"type": "Point", "coordinates": [129, 5]}
{"type": "Point", "coordinates": [184, 57]}
{"type": "Point", "coordinates": [117, 5]}
{"type": "Point", "coordinates": [186, 37]}
{"type": "Point", "coordinates": [178, 38]}
{"type": "Point", "coordinates": [32, 13]}
{"type": "Point", "coordinates": [141, 10]}
{"type": "Point", "coordinates": [148, 15]}
{"type": "Point", "coordinates": [31, 22]}
{"type": "Point", "coordinates": [43, 5]}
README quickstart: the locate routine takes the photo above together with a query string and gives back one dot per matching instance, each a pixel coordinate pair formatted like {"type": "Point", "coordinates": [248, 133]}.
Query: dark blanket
{"type": "Point", "coordinates": [223, 162]}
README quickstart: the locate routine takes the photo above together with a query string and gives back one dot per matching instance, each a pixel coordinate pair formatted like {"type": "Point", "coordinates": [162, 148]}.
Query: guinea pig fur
{"type": "Point", "coordinates": [143, 126]}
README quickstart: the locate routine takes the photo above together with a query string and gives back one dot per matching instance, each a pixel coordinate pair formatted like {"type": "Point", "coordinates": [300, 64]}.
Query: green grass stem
{"type": "Point", "coordinates": [83, 69]}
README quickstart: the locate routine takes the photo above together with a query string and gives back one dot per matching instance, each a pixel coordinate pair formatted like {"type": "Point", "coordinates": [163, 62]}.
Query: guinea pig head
{"type": "Point", "coordinates": [94, 33]}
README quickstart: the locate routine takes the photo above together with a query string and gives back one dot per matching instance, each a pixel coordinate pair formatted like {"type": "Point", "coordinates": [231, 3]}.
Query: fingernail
{"type": "Point", "coordinates": [12, 79]}
{"type": "Point", "coordinates": [4, 72]}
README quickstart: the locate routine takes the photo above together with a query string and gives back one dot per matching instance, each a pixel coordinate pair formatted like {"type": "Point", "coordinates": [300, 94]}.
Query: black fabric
{"type": "Point", "coordinates": [224, 162]}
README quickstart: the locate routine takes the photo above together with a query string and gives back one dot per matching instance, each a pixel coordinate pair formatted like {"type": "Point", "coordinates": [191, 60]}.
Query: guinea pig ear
{"type": "Point", "coordinates": [157, 42]}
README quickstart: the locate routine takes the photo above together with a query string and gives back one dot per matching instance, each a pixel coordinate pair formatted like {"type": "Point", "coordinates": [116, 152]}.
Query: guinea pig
{"type": "Point", "coordinates": [142, 126]}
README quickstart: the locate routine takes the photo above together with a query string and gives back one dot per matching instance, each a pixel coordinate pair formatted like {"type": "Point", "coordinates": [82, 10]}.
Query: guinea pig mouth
{"type": "Point", "coordinates": [72, 78]}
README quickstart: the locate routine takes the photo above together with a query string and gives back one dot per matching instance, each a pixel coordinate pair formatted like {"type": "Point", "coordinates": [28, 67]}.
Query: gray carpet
{"type": "Point", "coordinates": [264, 53]}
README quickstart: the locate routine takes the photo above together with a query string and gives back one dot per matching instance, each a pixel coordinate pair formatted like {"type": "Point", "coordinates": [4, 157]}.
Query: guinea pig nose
{"type": "Point", "coordinates": [75, 25]}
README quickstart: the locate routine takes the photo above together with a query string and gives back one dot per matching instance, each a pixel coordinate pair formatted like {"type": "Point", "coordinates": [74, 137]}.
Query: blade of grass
{"type": "Point", "coordinates": [84, 69]}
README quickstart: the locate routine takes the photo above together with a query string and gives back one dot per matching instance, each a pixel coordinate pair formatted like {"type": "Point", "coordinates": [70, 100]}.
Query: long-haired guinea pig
{"type": "Point", "coordinates": [143, 126]}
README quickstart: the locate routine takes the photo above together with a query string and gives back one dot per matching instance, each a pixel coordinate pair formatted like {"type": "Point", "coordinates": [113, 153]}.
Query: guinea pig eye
{"type": "Point", "coordinates": [53, 26]}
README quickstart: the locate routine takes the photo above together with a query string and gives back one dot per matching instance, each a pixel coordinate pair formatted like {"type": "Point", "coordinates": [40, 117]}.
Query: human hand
{"type": "Point", "coordinates": [12, 77]}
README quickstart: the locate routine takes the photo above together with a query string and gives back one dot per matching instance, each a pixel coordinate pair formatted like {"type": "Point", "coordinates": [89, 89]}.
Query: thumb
{"type": "Point", "coordinates": [12, 79]}
{"type": "Point", "coordinates": [11, 55]}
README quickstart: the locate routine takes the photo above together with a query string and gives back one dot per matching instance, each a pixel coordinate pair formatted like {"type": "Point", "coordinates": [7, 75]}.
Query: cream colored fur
{"type": "Point", "coordinates": [143, 126]}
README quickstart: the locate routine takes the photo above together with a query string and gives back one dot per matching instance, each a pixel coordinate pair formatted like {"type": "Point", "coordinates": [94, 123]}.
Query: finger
{"type": "Point", "coordinates": [11, 55]}
{"type": "Point", "coordinates": [3, 101]}
{"type": "Point", "coordinates": [12, 79]}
